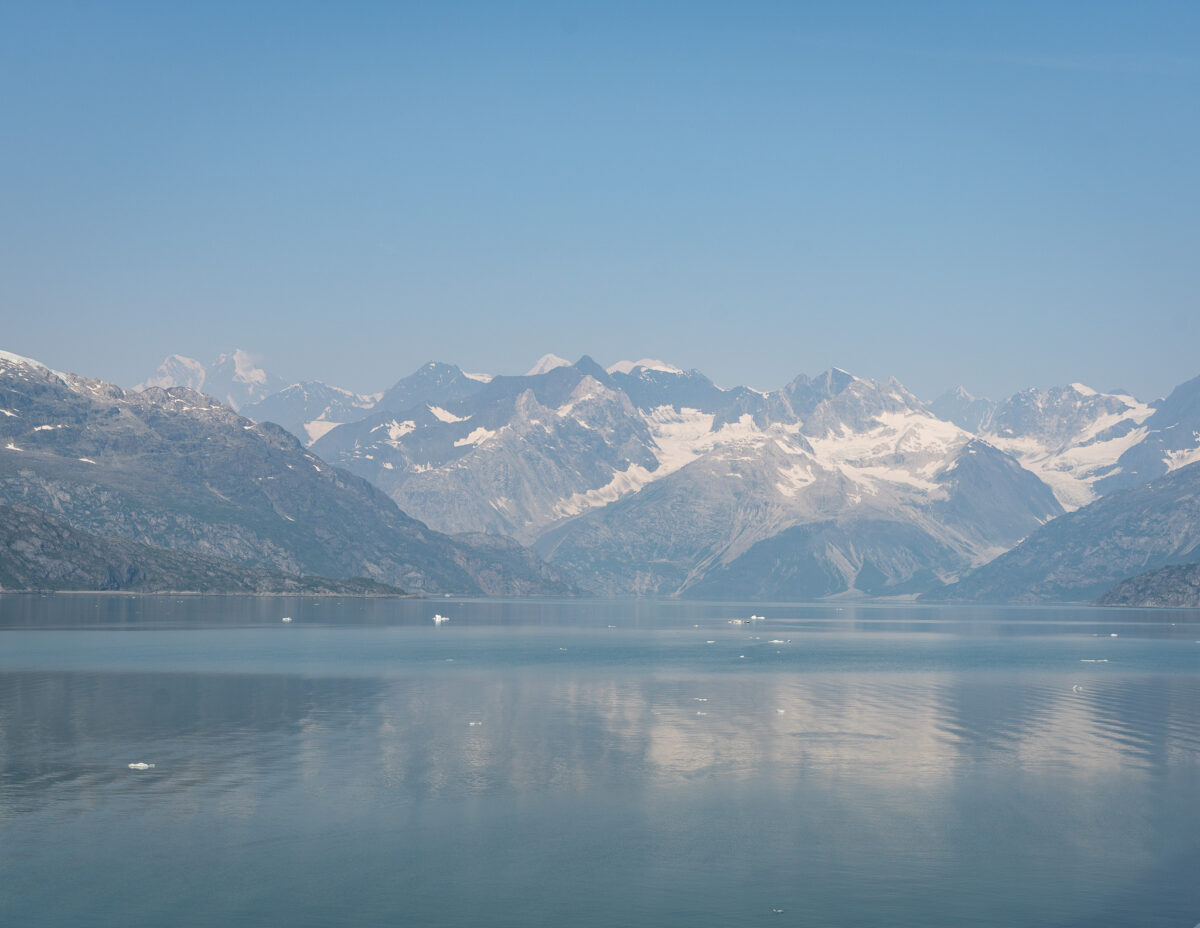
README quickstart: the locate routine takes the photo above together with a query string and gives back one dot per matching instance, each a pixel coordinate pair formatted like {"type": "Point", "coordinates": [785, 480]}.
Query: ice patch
{"type": "Point", "coordinates": [1177, 459]}
{"type": "Point", "coordinates": [319, 427]}
{"type": "Point", "coordinates": [477, 437]}
{"type": "Point", "coordinates": [444, 415]}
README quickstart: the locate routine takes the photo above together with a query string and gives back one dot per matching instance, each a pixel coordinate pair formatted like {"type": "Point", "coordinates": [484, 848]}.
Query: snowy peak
{"type": "Point", "coordinates": [546, 363]}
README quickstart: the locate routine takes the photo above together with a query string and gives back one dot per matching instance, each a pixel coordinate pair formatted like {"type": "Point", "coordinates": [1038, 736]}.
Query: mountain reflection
{"type": "Point", "coordinates": [455, 733]}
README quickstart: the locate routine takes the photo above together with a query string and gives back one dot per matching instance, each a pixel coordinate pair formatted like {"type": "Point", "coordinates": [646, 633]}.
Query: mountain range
{"type": "Point", "coordinates": [645, 479]}
{"type": "Point", "coordinates": [637, 479]}
{"type": "Point", "coordinates": [175, 469]}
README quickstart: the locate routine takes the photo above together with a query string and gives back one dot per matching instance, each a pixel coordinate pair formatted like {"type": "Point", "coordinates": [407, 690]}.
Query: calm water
{"type": "Point", "coordinates": [595, 764]}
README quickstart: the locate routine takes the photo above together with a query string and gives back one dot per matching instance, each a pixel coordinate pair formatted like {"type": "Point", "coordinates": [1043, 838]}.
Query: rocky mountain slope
{"type": "Point", "coordinates": [1080, 555]}
{"type": "Point", "coordinates": [176, 469]}
{"type": "Point", "coordinates": [38, 553]}
{"type": "Point", "coordinates": [1176, 587]}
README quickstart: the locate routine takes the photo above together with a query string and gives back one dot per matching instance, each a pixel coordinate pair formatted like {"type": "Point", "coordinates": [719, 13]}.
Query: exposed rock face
{"type": "Point", "coordinates": [176, 469]}
{"type": "Point", "coordinates": [1080, 555]}
{"type": "Point", "coordinates": [1170, 587]}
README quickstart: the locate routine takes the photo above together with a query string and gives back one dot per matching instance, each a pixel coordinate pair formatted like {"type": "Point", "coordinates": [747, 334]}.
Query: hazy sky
{"type": "Point", "coordinates": [995, 194]}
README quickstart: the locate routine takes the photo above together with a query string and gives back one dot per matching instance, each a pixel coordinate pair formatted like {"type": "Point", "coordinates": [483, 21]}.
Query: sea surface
{"type": "Point", "coordinates": [595, 764]}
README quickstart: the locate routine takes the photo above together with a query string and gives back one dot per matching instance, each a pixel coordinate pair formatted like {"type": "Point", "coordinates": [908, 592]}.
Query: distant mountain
{"type": "Point", "coordinates": [1175, 587]}
{"type": "Point", "coordinates": [176, 469]}
{"type": "Point", "coordinates": [647, 479]}
{"type": "Point", "coordinates": [308, 410]}
{"type": "Point", "coordinates": [38, 553]}
{"type": "Point", "coordinates": [234, 378]}
{"type": "Point", "coordinates": [1080, 555]}
{"type": "Point", "coordinates": [974, 414]}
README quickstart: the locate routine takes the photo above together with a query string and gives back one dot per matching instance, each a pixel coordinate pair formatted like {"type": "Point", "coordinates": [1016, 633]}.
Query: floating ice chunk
{"type": "Point", "coordinates": [775, 641]}
{"type": "Point", "coordinates": [701, 713]}
{"type": "Point", "coordinates": [140, 765]}
{"type": "Point", "coordinates": [1077, 688]}
{"type": "Point", "coordinates": [710, 641]}
{"type": "Point", "coordinates": [438, 618]}
{"type": "Point", "coordinates": [1113, 635]}
{"type": "Point", "coordinates": [286, 618]}
{"type": "Point", "coordinates": [780, 711]}
{"type": "Point", "coordinates": [475, 724]}
{"type": "Point", "coordinates": [1093, 660]}
{"type": "Point", "coordinates": [700, 699]}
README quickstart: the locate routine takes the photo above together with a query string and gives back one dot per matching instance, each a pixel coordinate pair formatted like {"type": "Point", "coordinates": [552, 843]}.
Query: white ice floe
{"type": "Point", "coordinates": [438, 618]}
{"type": "Point", "coordinates": [140, 766]}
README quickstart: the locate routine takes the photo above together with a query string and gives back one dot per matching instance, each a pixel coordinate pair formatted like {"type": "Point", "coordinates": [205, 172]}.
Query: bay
{"type": "Point", "coordinates": [595, 763]}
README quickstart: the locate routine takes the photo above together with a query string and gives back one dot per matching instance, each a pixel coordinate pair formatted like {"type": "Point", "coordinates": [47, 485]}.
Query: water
{"type": "Point", "coordinates": [595, 764]}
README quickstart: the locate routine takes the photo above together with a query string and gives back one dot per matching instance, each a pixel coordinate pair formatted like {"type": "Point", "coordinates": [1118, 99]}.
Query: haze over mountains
{"type": "Point", "coordinates": [644, 479]}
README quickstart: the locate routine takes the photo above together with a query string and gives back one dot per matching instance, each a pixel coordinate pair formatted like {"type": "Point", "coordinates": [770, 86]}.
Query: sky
{"type": "Point", "coordinates": [993, 194]}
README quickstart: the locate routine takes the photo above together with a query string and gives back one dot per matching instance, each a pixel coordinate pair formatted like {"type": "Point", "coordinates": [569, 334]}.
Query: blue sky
{"type": "Point", "coordinates": [994, 194]}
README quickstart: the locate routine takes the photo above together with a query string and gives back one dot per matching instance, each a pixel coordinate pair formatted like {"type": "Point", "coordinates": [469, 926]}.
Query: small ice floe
{"type": "Point", "coordinates": [710, 641]}
{"type": "Point", "coordinates": [286, 618]}
{"type": "Point", "coordinates": [1093, 660]}
{"type": "Point", "coordinates": [737, 621]}
{"type": "Point", "coordinates": [700, 699]}
{"type": "Point", "coordinates": [775, 641]}
{"type": "Point", "coordinates": [140, 765]}
{"type": "Point", "coordinates": [780, 711]}
{"type": "Point", "coordinates": [701, 713]}
{"type": "Point", "coordinates": [777, 911]}
{"type": "Point", "coordinates": [438, 618]}
{"type": "Point", "coordinates": [562, 649]}
{"type": "Point", "coordinates": [612, 626]}
{"type": "Point", "coordinates": [757, 618]}
{"type": "Point", "coordinates": [1113, 635]}
{"type": "Point", "coordinates": [741, 657]}
{"type": "Point", "coordinates": [475, 724]}
{"type": "Point", "coordinates": [1077, 688]}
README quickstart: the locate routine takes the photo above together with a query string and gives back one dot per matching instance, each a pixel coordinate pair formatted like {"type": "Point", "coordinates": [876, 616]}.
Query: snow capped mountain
{"type": "Point", "coordinates": [1071, 437]}
{"type": "Point", "coordinates": [547, 362]}
{"type": "Point", "coordinates": [233, 378]}
{"type": "Point", "coordinates": [1166, 441]}
{"type": "Point", "coordinates": [647, 479]}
